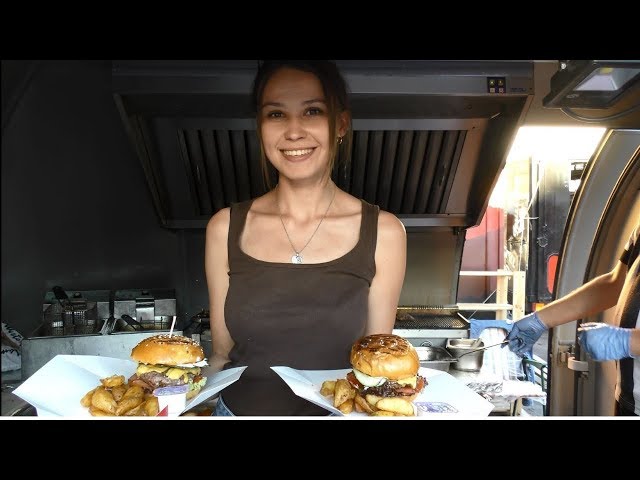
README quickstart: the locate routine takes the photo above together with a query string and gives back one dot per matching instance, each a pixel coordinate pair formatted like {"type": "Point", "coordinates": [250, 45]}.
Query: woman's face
{"type": "Point", "coordinates": [295, 124]}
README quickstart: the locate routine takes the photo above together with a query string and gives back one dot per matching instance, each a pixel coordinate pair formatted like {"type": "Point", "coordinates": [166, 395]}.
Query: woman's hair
{"type": "Point", "coordinates": [336, 95]}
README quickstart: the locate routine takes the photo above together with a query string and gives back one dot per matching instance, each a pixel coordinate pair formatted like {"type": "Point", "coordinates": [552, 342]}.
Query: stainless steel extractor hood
{"type": "Point", "coordinates": [430, 137]}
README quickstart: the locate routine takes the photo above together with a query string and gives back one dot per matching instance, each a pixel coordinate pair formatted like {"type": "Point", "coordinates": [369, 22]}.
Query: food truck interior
{"type": "Point", "coordinates": [111, 170]}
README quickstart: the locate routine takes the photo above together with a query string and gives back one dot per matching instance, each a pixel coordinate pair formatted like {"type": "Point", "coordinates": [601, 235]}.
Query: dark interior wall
{"type": "Point", "coordinates": [76, 210]}
{"type": "Point", "coordinates": [433, 262]}
{"type": "Point", "coordinates": [196, 296]}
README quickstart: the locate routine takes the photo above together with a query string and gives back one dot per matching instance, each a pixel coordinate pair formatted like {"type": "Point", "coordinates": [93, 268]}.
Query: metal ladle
{"type": "Point", "coordinates": [482, 348]}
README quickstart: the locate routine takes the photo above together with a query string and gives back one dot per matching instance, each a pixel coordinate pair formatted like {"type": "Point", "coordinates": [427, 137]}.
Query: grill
{"type": "Point", "coordinates": [429, 317]}
{"type": "Point", "coordinates": [430, 325]}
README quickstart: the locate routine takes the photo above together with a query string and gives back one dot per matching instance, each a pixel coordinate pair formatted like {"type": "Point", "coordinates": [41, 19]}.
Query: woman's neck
{"type": "Point", "coordinates": [304, 202]}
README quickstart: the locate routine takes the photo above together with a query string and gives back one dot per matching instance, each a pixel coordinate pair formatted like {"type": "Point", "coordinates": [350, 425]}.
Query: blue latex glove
{"type": "Point", "coordinates": [525, 333]}
{"type": "Point", "coordinates": [604, 342]}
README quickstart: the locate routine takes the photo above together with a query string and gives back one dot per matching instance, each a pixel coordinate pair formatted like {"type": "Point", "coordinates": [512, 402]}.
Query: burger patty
{"type": "Point", "coordinates": [389, 388]}
{"type": "Point", "coordinates": [157, 379]}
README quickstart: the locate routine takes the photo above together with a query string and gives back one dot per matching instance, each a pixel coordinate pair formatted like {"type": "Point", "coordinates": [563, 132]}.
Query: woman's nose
{"type": "Point", "coordinates": [295, 129]}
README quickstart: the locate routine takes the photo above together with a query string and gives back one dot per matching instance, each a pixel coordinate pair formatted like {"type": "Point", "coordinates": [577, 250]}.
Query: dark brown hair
{"type": "Point", "coordinates": [336, 95]}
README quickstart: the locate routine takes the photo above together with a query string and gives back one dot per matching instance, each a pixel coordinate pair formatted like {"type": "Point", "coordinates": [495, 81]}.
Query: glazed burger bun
{"type": "Point", "coordinates": [385, 365]}
{"type": "Point", "coordinates": [384, 355]}
{"type": "Point", "coordinates": [168, 350]}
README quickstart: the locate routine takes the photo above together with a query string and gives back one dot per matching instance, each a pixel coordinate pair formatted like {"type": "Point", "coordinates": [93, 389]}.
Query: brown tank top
{"type": "Point", "coordinates": [301, 316]}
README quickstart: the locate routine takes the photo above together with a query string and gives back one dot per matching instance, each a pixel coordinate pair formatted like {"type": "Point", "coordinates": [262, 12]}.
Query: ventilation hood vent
{"type": "Point", "coordinates": [430, 138]}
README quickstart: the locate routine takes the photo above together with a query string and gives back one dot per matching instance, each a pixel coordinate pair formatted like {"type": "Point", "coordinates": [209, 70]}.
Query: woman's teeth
{"type": "Point", "coordinates": [297, 153]}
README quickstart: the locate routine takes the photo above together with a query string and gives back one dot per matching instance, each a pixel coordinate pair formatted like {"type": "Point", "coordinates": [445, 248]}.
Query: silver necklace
{"type": "Point", "coordinates": [297, 256]}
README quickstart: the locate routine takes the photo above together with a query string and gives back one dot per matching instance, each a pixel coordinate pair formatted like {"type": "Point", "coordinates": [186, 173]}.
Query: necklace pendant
{"type": "Point", "coordinates": [296, 258]}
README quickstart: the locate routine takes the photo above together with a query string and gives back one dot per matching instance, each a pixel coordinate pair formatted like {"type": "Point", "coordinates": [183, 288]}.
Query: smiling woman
{"type": "Point", "coordinates": [296, 275]}
{"type": "Point", "coordinates": [294, 125]}
{"type": "Point", "coordinates": [301, 107]}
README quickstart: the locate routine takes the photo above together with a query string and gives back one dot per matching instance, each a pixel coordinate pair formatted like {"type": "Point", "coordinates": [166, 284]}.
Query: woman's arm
{"type": "Point", "coordinates": [391, 259]}
{"type": "Point", "coordinates": [216, 265]}
{"type": "Point", "coordinates": [634, 343]}
{"type": "Point", "coordinates": [594, 296]}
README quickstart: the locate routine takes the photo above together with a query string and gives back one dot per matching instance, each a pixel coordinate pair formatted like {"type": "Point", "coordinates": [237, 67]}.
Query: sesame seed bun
{"type": "Point", "coordinates": [167, 350]}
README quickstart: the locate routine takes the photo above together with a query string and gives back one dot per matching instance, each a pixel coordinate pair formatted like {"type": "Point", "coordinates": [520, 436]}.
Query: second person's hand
{"type": "Point", "coordinates": [525, 333]}
{"type": "Point", "coordinates": [604, 342]}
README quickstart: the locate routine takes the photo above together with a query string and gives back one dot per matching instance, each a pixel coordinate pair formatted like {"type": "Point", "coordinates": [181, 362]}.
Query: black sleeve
{"type": "Point", "coordinates": [632, 248]}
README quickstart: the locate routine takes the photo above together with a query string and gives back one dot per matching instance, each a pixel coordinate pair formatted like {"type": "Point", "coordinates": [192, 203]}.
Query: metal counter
{"type": "Point", "coordinates": [37, 351]}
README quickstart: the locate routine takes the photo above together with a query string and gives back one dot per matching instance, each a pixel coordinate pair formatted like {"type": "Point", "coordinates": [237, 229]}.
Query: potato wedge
{"type": "Point", "coordinates": [135, 391]}
{"type": "Point", "coordinates": [342, 393]}
{"type": "Point", "coordinates": [328, 387]}
{"type": "Point", "coordinates": [96, 412]}
{"type": "Point", "coordinates": [346, 407]}
{"type": "Point", "coordinates": [396, 405]}
{"type": "Point", "coordinates": [86, 400]}
{"type": "Point", "coordinates": [112, 381]}
{"type": "Point", "coordinates": [128, 403]}
{"type": "Point", "coordinates": [118, 392]}
{"type": "Point", "coordinates": [372, 399]}
{"type": "Point", "coordinates": [136, 412]}
{"type": "Point", "coordinates": [363, 405]}
{"type": "Point", "coordinates": [102, 399]}
{"type": "Point", "coordinates": [382, 413]}
{"type": "Point", "coordinates": [151, 407]}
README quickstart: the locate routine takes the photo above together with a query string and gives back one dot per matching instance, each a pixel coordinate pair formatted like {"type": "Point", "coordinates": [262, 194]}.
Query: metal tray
{"type": "Point", "coordinates": [435, 357]}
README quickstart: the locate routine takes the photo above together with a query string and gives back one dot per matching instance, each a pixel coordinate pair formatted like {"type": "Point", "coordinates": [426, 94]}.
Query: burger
{"type": "Point", "coordinates": [386, 366]}
{"type": "Point", "coordinates": [169, 361]}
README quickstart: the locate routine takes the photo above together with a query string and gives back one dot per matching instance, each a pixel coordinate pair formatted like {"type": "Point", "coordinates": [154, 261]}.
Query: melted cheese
{"type": "Point", "coordinates": [142, 368]}
{"type": "Point", "coordinates": [175, 373]}
{"type": "Point", "coordinates": [172, 372]}
{"type": "Point", "coordinates": [412, 381]}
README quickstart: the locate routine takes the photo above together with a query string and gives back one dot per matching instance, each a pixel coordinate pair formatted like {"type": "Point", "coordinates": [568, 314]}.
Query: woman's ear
{"type": "Point", "coordinates": [343, 123]}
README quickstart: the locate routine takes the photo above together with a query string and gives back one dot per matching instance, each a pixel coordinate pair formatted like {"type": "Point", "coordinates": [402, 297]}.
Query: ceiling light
{"type": "Point", "coordinates": [591, 83]}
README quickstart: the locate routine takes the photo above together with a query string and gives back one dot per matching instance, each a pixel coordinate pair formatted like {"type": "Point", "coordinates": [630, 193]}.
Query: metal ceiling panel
{"type": "Point", "coordinates": [430, 138]}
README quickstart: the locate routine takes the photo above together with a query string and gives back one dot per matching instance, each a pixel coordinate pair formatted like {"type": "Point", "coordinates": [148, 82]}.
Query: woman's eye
{"type": "Point", "coordinates": [314, 111]}
{"type": "Point", "coordinates": [274, 114]}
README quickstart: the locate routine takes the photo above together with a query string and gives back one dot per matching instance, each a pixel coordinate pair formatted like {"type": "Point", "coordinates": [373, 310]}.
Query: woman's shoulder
{"type": "Point", "coordinates": [350, 205]}
{"type": "Point", "coordinates": [390, 225]}
{"type": "Point", "coordinates": [263, 204]}
{"type": "Point", "coordinates": [387, 222]}
{"type": "Point", "coordinates": [218, 225]}
{"type": "Point", "coordinates": [221, 219]}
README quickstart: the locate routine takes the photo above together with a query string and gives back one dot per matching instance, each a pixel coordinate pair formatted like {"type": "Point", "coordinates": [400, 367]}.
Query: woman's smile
{"type": "Point", "coordinates": [298, 155]}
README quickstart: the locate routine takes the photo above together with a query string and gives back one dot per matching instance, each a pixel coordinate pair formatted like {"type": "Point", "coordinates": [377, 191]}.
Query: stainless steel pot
{"type": "Point", "coordinates": [468, 353]}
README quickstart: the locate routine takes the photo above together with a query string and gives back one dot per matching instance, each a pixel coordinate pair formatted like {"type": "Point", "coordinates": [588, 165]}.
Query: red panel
{"type": "Point", "coordinates": [483, 251]}
{"type": "Point", "coordinates": [552, 264]}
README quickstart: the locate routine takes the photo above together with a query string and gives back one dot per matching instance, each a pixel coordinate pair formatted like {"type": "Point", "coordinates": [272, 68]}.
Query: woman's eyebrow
{"type": "Point", "coordinates": [305, 102]}
{"type": "Point", "coordinates": [315, 100]}
{"type": "Point", "coordinates": [272, 104]}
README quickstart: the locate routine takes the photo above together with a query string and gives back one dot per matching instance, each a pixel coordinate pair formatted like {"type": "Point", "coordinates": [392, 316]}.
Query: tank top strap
{"type": "Point", "coordinates": [363, 258]}
{"type": "Point", "coordinates": [369, 226]}
{"type": "Point", "coordinates": [237, 219]}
